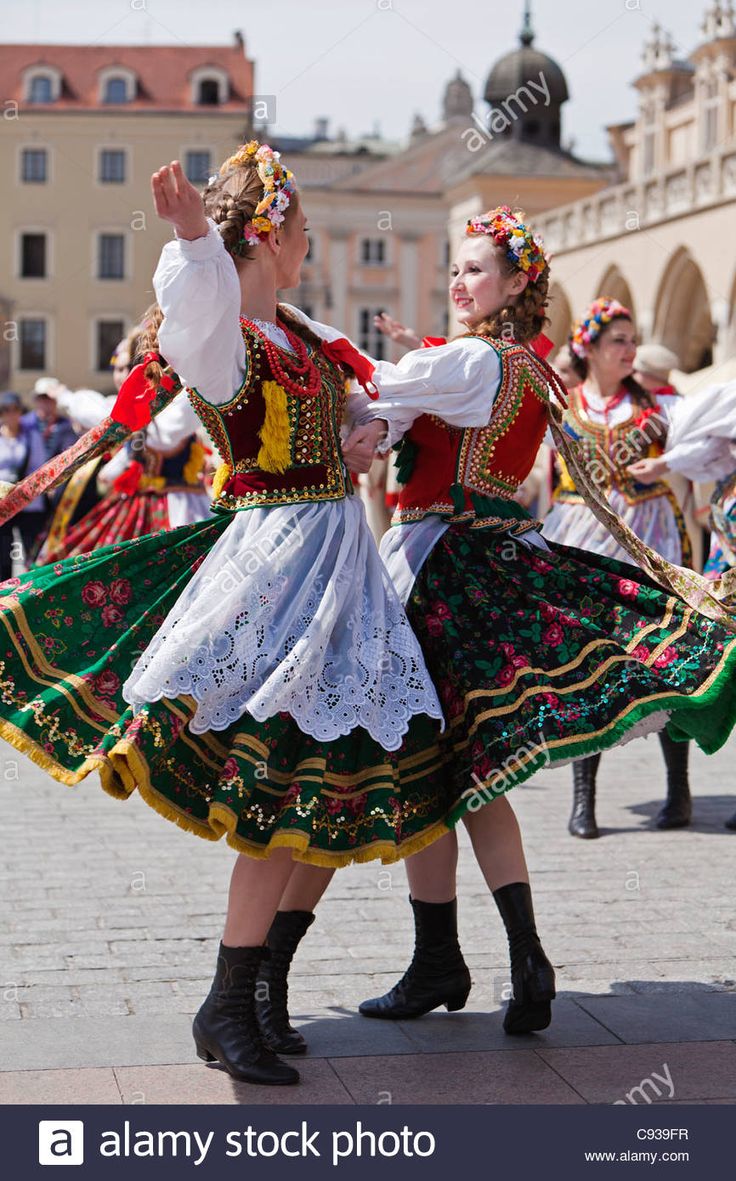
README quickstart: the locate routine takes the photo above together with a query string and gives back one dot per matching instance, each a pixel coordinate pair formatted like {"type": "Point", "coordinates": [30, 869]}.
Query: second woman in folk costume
{"type": "Point", "coordinates": [541, 653]}
{"type": "Point", "coordinates": [615, 422]}
{"type": "Point", "coordinates": [252, 675]}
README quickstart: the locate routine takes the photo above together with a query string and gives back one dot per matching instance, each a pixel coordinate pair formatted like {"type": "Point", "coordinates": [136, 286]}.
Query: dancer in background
{"type": "Point", "coordinates": [615, 421]}
{"type": "Point", "coordinates": [154, 482]}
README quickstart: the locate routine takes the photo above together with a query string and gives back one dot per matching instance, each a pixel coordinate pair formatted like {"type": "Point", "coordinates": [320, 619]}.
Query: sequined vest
{"type": "Point", "coordinates": [472, 473]}
{"type": "Point", "coordinates": [609, 449]}
{"type": "Point", "coordinates": [278, 444]}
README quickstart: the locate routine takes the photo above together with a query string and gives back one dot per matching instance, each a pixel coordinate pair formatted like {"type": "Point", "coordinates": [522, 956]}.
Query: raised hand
{"type": "Point", "coordinates": [396, 331]}
{"type": "Point", "coordinates": [176, 200]}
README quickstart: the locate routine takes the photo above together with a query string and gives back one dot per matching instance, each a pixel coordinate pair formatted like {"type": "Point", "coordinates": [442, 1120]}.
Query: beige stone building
{"type": "Point", "coordinates": [84, 127]}
{"type": "Point", "coordinates": [663, 239]}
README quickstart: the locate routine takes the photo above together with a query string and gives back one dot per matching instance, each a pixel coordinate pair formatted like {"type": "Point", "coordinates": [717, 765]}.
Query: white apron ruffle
{"type": "Point", "coordinates": [291, 611]}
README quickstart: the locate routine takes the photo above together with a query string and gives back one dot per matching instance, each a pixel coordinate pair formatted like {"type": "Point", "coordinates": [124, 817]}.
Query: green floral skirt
{"type": "Point", "coordinates": [70, 634]}
{"type": "Point", "coordinates": [543, 657]}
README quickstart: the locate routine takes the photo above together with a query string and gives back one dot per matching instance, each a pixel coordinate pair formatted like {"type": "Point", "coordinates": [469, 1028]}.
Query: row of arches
{"type": "Point", "coordinates": [682, 315]}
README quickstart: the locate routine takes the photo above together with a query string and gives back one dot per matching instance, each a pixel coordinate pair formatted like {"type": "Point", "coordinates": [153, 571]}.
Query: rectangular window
{"type": "Point", "coordinates": [197, 167]}
{"type": "Point", "coordinates": [33, 256]}
{"type": "Point", "coordinates": [369, 338]}
{"type": "Point", "coordinates": [373, 252]}
{"type": "Point", "coordinates": [111, 257]}
{"type": "Point", "coordinates": [112, 166]}
{"type": "Point", "coordinates": [32, 344]}
{"type": "Point", "coordinates": [33, 168]}
{"type": "Point", "coordinates": [109, 334]}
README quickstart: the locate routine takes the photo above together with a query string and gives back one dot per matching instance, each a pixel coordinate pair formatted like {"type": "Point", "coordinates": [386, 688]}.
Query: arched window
{"type": "Point", "coordinates": [210, 86]}
{"type": "Point", "coordinates": [41, 84]}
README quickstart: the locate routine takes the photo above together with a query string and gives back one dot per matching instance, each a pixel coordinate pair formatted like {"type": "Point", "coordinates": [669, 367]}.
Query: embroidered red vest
{"type": "Point", "coordinates": [278, 446]}
{"type": "Point", "coordinates": [457, 471]}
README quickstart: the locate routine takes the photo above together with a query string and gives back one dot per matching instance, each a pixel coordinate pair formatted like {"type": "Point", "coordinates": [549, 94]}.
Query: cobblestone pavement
{"type": "Point", "coordinates": [112, 915]}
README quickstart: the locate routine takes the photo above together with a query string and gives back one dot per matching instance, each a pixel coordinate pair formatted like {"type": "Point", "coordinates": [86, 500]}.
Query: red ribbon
{"type": "Point", "coordinates": [342, 352]}
{"type": "Point", "coordinates": [127, 482]}
{"type": "Point", "coordinates": [431, 342]}
{"type": "Point", "coordinates": [133, 404]}
{"type": "Point", "coordinates": [542, 346]}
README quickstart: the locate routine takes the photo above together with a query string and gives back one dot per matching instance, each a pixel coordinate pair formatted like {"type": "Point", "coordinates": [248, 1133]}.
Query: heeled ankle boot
{"type": "Point", "coordinates": [437, 974]}
{"type": "Point", "coordinates": [532, 975]}
{"type": "Point", "coordinates": [226, 1028]}
{"type": "Point", "coordinates": [272, 988]}
{"type": "Point", "coordinates": [582, 819]}
{"type": "Point", "coordinates": [676, 812]}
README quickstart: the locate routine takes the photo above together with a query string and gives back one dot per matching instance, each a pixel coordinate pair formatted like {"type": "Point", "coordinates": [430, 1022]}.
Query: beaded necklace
{"type": "Point", "coordinates": [307, 379]}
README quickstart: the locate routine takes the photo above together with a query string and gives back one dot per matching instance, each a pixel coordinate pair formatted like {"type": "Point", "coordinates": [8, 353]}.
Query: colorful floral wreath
{"type": "Point", "coordinates": [278, 187]}
{"type": "Point", "coordinates": [523, 248]}
{"type": "Point", "coordinates": [589, 327]}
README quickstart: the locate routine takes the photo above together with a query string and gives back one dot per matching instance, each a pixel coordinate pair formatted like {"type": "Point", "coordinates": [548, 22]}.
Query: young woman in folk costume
{"type": "Point", "coordinates": [540, 653]}
{"type": "Point", "coordinates": [617, 421]}
{"type": "Point", "coordinates": [155, 481]}
{"type": "Point", "coordinates": [252, 675]}
{"type": "Point", "coordinates": [701, 445]}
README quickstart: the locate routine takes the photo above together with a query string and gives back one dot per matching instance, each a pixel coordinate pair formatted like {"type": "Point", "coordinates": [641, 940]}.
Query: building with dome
{"type": "Point", "coordinates": [661, 238]}
{"type": "Point", "coordinates": [379, 226]}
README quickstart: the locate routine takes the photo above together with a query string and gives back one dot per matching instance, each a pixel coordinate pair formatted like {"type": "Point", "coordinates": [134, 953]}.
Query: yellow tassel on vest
{"type": "Point", "coordinates": [221, 476]}
{"type": "Point", "coordinates": [275, 434]}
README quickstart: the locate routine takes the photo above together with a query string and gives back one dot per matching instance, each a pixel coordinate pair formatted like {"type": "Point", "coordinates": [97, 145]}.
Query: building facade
{"type": "Point", "coordinates": [662, 239]}
{"type": "Point", "coordinates": [84, 127]}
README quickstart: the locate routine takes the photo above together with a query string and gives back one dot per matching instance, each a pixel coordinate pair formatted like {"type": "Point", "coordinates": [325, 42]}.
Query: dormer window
{"type": "Point", "coordinates": [42, 85]}
{"type": "Point", "coordinates": [117, 85]}
{"type": "Point", "coordinates": [210, 86]}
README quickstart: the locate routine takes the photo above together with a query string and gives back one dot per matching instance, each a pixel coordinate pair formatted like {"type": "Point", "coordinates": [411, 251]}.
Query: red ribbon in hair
{"type": "Point", "coordinates": [133, 404]}
{"type": "Point", "coordinates": [342, 352]}
{"type": "Point", "coordinates": [542, 346]}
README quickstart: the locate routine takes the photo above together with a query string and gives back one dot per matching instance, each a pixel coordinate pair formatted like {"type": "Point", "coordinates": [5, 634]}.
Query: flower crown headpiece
{"type": "Point", "coordinates": [589, 327]}
{"type": "Point", "coordinates": [278, 187]}
{"type": "Point", "coordinates": [523, 248]}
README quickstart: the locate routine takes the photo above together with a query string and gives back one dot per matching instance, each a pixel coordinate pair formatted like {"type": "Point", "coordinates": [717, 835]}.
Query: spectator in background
{"type": "Point", "coordinates": [56, 429]}
{"type": "Point", "coordinates": [22, 451]}
{"type": "Point", "coordinates": [653, 365]}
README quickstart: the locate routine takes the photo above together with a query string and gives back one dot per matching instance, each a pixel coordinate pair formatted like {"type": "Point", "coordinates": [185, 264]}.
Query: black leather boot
{"type": "Point", "coordinates": [437, 974]}
{"type": "Point", "coordinates": [676, 812]}
{"type": "Point", "coordinates": [272, 989]}
{"type": "Point", "coordinates": [226, 1028]}
{"type": "Point", "coordinates": [582, 820]}
{"type": "Point", "coordinates": [532, 975]}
